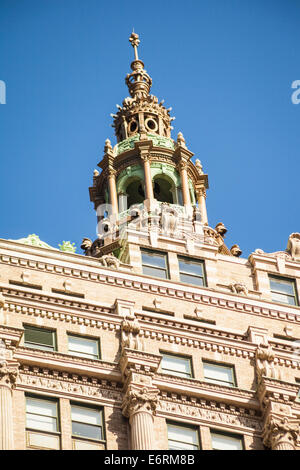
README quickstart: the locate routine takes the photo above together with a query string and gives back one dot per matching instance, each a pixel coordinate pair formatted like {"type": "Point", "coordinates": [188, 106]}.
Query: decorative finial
{"type": "Point", "coordinates": [181, 140]}
{"type": "Point", "coordinates": [107, 146]}
{"type": "Point", "coordinates": [134, 39]}
{"type": "Point", "coordinates": [198, 165]}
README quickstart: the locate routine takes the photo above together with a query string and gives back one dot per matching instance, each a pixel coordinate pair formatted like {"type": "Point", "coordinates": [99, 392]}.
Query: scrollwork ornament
{"type": "Point", "coordinates": [281, 433]}
{"type": "Point", "coordinates": [8, 374]}
{"type": "Point", "coordinates": [140, 400]}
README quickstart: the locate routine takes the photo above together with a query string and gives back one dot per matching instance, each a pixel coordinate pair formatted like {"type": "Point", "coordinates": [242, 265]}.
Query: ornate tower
{"type": "Point", "coordinates": [148, 180]}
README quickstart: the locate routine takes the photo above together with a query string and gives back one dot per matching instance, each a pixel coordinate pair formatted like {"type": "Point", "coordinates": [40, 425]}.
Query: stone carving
{"type": "Point", "coordinates": [8, 373]}
{"type": "Point", "coordinates": [235, 250]}
{"type": "Point", "coordinates": [181, 140]}
{"type": "Point", "coordinates": [169, 219]}
{"type": "Point", "coordinates": [265, 366]}
{"type": "Point", "coordinates": [209, 415]}
{"type": "Point", "coordinates": [293, 246]}
{"type": "Point", "coordinates": [280, 433]}
{"type": "Point", "coordinates": [221, 229]}
{"type": "Point", "coordinates": [91, 248]}
{"type": "Point", "coordinates": [238, 288]}
{"type": "Point", "coordinates": [110, 261]}
{"type": "Point", "coordinates": [140, 400]}
{"type": "Point", "coordinates": [130, 333]}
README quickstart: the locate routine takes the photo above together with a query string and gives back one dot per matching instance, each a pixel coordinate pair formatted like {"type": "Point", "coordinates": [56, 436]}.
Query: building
{"type": "Point", "coordinates": [159, 336]}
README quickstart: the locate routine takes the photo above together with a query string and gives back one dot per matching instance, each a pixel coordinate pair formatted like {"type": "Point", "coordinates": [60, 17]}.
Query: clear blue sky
{"type": "Point", "coordinates": [225, 67]}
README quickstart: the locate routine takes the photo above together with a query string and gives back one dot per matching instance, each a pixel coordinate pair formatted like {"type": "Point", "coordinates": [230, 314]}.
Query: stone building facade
{"type": "Point", "coordinates": [159, 336]}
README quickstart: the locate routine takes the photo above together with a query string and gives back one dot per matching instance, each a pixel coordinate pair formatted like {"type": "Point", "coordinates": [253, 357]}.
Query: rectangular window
{"type": "Point", "coordinates": [155, 264]}
{"type": "Point", "coordinates": [224, 441]}
{"type": "Point", "coordinates": [219, 374]}
{"type": "Point", "coordinates": [39, 338]}
{"type": "Point", "coordinates": [283, 290]}
{"type": "Point", "coordinates": [87, 422]}
{"type": "Point", "coordinates": [176, 365]}
{"type": "Point", "coordinates": [84, 347]}
{"type": "Point", "coordinates": [191, 271]}
{"type": "Point", "coordinates": [42, 414]}
{"type": "Point", "coordinates": [181, 437]}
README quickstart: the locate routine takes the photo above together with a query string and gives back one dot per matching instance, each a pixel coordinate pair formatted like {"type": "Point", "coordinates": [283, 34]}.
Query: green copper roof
{"type": "Point", "coordinates": [158, 141]}
{"type": "Point", "coordinates": [34, 240]}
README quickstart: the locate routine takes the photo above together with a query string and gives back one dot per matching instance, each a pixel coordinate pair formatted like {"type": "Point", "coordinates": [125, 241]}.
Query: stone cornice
{"type": "Point", "coordinates": [204, 296]}
{"type": "Point", "coordinates": [68, 363]}
{"type": "Point", "coordinates": [202, 390]}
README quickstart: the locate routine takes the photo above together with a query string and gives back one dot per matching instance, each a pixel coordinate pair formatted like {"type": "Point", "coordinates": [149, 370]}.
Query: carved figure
{"type": "Point", "coordinates": [129, 333]}
{"type": "Point", "coordinates": [169, 220]}
{"type": "Point", "coordinates": [235, 250]}
{"type": "Point", "coordinates": [293, 246]}
{"type": "Point", "coordinates": [109, 261]}
{"type": "Point", "coordinates": [86, 246]}
{"type": "Point", "coordinates": [265, 363]}
{"type": "Point", "coordinates": [238, 288]}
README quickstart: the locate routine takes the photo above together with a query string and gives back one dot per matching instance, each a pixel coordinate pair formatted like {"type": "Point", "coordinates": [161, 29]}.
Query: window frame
{"type": "Point", "coordinates": [100, 409]}
{"type": "Point", "coordinates": [45, 399]}
{"type": "Point", "coordinates": [195, 261]}
{"type": "Point", "coordinates": [228, 434]}
{"type": "Point", "coordinates": [178, 356]}
{"type": "Point", "coordinates": [87, 338]}
{"type": "Point", "coordinates": [292, 281]}
{"type": "Point", "coordinates": [224, 366]}
{"type": "Point", "coordinates": [32, 345]}
{"type": "Point", "coordinates": [163, 254]}
{"type": "Point", "coordinates": [187, 426]}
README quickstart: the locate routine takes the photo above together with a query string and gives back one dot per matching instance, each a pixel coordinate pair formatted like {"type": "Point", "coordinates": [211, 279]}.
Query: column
{"type": "Point", "coordinates": [113, 190]}
{"type": "Point", "coordinates": [201, 197]}
{"type": "Point", "coordinates": [148, 178]}
{"type": "Point", "coordinates": [184, 184]}
{"type": "Point", "coordinates": [8, 376]}
{"type": "Point", "coordinates": [139, 406]}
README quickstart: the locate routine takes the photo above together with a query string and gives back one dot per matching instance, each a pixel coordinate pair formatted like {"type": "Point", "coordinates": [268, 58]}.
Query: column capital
{"type": "Point", "coordinates": [281, 432]}
{"type": "Point", "coordinates": [140, 399]}
{"type": "Point", "coordinates": [9, 371]}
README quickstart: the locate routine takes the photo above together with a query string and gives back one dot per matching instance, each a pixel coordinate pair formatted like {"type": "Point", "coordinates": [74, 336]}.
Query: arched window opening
{"type": "Point", "coordinates": [163, 190]}
{"type": "Point", "coordinates": [135, 191]}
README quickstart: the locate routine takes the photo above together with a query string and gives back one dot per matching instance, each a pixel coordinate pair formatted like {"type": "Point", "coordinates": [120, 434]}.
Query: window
{"type": "Point", "coordinates": [176, 365]}
{"type": "Point", "coordinates": [283, 290]}
{"type": "Point", "coordinates": [154, 264]}
{"type": "Point", "coordinates": [219, 374]}
{"type": "Point", "coordinates": [87, 422]}
{"type": "Point", "coordinates": [182, 437]}
{"type": "Point", "coordinates": [191, 271]}
{"type": "Point", "coordinates": [39, 338]}
{"type": "Point", "coordinates": [42, 414]}
{"type": "Point", "coordinates": [224, 441]}
{"type": "Point", "coordinates": [84, 347]}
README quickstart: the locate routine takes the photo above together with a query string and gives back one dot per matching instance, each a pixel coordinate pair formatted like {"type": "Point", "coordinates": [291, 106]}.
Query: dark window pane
{"type": "Point", "coordinates": [86, 430]}
{"type": "Point", "coordinates": [40, 336]}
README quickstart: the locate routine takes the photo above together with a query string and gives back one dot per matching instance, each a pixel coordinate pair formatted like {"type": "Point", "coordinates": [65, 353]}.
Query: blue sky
{"type": "Point", "coordinates": [225, 67]}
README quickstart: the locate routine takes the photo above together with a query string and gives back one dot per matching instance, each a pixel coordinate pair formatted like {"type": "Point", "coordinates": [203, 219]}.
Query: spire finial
{"type": "Point", "coordinates": [134, 39]}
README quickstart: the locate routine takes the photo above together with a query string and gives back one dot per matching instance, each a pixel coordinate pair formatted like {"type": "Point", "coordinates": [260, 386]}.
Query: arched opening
{"type": "Point", "coordinates": [163, 190]}
{"type": "Point", "coordinates": [135, 192]}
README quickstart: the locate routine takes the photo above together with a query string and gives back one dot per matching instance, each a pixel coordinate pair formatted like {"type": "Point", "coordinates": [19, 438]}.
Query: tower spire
{"type": "Point", "coordinates": [135, 41]}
